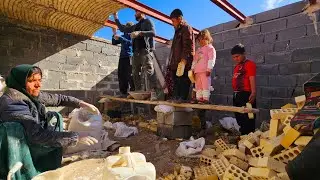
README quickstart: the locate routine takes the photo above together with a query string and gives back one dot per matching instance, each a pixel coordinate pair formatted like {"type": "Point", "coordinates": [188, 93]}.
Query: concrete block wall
{"type": "Point", "coordinates": [285, 47]}
{"type": "Point", "coordinates": [72, 65]}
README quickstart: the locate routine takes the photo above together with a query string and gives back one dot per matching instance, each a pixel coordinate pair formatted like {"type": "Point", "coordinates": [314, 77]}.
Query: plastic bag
{"type": "Point", "coordinates": [168, 109]}
{"type": "Point", "coordinates": [122, 130]}
{"type": "Point", "coordinates": [191, 147]}
{"type": "Point", "coordinates": [89, 124]}
{"type": "Point", "coordinates": [229, 123]}
{"type": "Point", "coordinates": [84, 120]}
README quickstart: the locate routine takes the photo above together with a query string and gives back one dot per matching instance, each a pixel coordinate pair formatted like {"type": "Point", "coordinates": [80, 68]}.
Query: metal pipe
{"type": "Point", "coordinates": [230, 9]}
{"type": "Point", "coordinates": [112, 24]}
{"type": "Point", "coordinates": [149, 11]}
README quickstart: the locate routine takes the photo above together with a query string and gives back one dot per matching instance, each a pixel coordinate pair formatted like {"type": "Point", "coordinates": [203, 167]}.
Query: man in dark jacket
{"type": "Point", "coordinates": [124, 66]}
{"type": "Point", "coordinates": [182, 50]}
{"type": "Point", "coordinates": [142, 34]}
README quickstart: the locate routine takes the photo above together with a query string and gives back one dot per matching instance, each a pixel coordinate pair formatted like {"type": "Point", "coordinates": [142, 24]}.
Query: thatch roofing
{"type": "Point", "coordinates": [83, 17]}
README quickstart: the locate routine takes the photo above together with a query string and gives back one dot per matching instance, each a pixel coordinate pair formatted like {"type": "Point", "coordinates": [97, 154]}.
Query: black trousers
{"type": "Point", "coordinates": [125, 75]}
{"type": "Point", "coordinates": [246, 125]}
{"type": "Point", "coordinates": [181, 86]}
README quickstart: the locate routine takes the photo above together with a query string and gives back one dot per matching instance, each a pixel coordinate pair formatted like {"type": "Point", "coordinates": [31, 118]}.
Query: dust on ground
{"type": "Point", "coordinates": [159, 151]}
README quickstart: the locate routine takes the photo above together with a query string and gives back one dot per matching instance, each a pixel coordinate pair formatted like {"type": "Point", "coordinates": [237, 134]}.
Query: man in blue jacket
{"type": "Point", "coordinates": [124, 66]}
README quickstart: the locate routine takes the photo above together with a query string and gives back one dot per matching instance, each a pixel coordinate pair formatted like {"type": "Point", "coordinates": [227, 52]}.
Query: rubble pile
{"type": "Point", "coordinates": [258, 155]}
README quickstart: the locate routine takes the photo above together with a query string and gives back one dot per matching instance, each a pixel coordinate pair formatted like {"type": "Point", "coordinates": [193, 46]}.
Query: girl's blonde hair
{"type": "Point", "coordinates": [205, 34]}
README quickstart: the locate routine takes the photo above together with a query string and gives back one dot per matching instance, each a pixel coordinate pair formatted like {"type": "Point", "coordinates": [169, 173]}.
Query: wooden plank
{"type": "Point", "coordinates": [185, 105]}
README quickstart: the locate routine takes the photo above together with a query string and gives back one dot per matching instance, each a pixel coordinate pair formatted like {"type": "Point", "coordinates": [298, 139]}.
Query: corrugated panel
{"type": "Point", "coordinates": [83, 17]}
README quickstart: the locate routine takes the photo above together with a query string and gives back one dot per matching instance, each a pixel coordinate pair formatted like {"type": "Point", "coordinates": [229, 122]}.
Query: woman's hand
{"type": "Point", "coordinates": [89, 107]}
{"type": "Point", "coordinates": [87, 140]}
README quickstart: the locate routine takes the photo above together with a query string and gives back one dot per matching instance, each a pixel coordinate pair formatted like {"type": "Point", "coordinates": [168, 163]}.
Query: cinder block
{"type": "Point", "coordinates": [231, 34]}
{"type": "Point", "coordinates": [224, 160]}
{"type": "Point", "coordinates": [172, 132]}
{"type": "Point", "coordinates": [287, 120]}
{"type": "Point", "coordinates": [261, 172]}
{"type": "Point", "coordinates": [263, 142]}
{"type": "Point", "coordinates": [286, 129]}
{"type": "Point", "coordinates": [315, 66]}
{"type": "Point", "coordinates": [206, 160]}
{"type": "Point", "coordinates": [267, 15]}
{"type": "Point", "coordinates": [242, 148]}
{"type": "Point", "coordinates": [294, 68]}
{"type": "Point", "coordinates": [298, 20]}
{"type": "Point", "coordinates": [278, 57]}
{"type": "Point", "coordinates": [234, 152]}
{"type": "Point", "coordinates": [282, 81]}
{"type": "Point", "coordinates": [252, 40]}
{"type": "Point", "coordinates": [221, 144]}
{"type": "Point", "coordinates": [305, 42]}
{"type": "Point", "coordinates": [300, 101]}
{"type": "Point", "coordinates": [306, 54]}
{"type": "Point", "coordinates": [273, 26]}
{"type": "Point", "coordinates": [248, 144]}
{"type": "Point", "coordinates": [291, 9]}
{"type": "Point", "coordinates": [282, 113]}
{"type": "Point", "coordinates": [282, 46]}
{"type": "Point", "coordinates": [258, 152]}
{"type": "Point", "coordinates": [273, 146]}
{"type": "Point", "coordinates": [239, 163]}
{"type": "Point", "coordinates": [289, 138]}
{"type": "Point", "coordinates": [205, 173]}
{"type": "Point", "coordinates": [178, 118]}
{"type": "Point", "coordinates": [234, 172]}
{"type": "Point", "coordinates": [288, 155]}
{"type": "Point", "coordinates": [251, 30]}
{"type": "Point", "coordinates": [269, 69]}
{"type": "Point", "coordinates": [271, 37]}
{"type": "Point", "coordinates": [219, 167]}
{"type": "Point", "coordinates": [268, 162]}
{"type": "Point", "coordinates": [303, 140]}
{"type": "Point", "coordinates": [274, 128]}
{"type": "Point", "coordinates": [262, 48]}
{"type": "Point", "coordinates": [211, 153]}
{"type": "Point", "coordinates": [186, 171]}
{"type": "Point", "coordinates": [283, 176]}
{"type": "Point", "coordinates": [292, 33]}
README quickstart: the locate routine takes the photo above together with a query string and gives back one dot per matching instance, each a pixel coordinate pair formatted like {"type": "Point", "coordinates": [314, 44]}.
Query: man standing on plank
{"type": "Point", "coordinates": [244, 87]}
{"type": "Point", "coordinates": [182, 51]}
{"type": "Point", "coordinates": [143, 34]}
{"type": "Point", "coordinates": [124, 66]}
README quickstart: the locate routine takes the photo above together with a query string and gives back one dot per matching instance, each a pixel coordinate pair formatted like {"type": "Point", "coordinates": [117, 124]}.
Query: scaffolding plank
{"type": "Point", "coordinates": [184, 105]}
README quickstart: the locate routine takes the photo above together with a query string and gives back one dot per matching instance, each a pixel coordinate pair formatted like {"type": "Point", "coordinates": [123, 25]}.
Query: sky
{"type": "Point", "coordinates": [200, 14]}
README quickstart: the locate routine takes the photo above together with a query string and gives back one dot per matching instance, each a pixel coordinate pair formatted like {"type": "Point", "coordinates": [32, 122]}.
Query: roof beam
{"type": "Point", "coordinates": [112, 24]}
{"type": "Point", "coordinates": [149, 11]}
{"type": "Point", "coordinates": [230, 9]}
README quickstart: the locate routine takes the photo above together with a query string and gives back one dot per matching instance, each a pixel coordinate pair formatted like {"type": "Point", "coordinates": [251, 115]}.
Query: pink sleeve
{"type": "Point", "coordinates": [211, 58]}
{"type": "Point", "coordinates": [194, 60]}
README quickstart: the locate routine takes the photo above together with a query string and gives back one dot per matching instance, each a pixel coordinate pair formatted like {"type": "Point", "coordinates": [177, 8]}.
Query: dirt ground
{"type": "Point", "coordinates": [159, 151]}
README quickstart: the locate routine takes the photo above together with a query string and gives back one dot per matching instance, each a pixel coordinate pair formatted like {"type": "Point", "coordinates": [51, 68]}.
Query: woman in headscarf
{"type": "Point", "coordinates": [24, 103]}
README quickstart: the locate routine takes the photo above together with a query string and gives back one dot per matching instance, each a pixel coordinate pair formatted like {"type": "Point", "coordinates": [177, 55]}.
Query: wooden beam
{"type": "Point", "coordinates": [184, 105]}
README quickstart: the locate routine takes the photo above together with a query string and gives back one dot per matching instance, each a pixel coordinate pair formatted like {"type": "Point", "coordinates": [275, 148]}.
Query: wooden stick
{"type": "Point", "coordinates": [184, 105]}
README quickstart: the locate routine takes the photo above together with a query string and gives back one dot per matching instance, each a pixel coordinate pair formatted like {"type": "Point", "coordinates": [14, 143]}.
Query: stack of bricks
{"type": "Point", "coordinates": [176, 124]}
{"type": "Point", "coordinates": [260, 155]}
